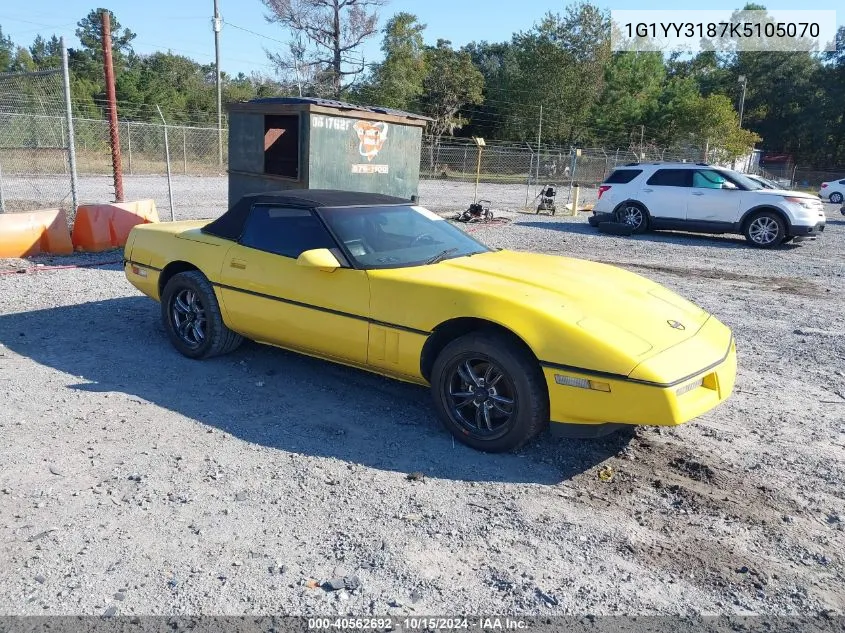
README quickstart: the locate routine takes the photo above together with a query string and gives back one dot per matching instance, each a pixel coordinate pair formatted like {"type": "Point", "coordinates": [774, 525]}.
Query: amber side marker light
{"type": "Point", "coordinates": [583, 383]}
{"type": "Point", "coordinates": [689, 387]}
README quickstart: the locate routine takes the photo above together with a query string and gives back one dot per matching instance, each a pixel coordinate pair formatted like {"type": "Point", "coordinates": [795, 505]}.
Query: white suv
{"type": "Point", "coordinates": [705, 199]}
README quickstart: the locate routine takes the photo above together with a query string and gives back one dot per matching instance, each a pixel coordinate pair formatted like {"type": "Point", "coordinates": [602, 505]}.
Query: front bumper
{"type": "Point", "coordinates": [638, 399]}
{"type": "Point", "coordinates": [807, 231]}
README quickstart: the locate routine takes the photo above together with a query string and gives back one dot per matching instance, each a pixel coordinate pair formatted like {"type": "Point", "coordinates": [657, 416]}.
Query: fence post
{"type": "Point", "coordinates": [184, 150]}
{"type": "Point", "coordinates": [71, 145]}
{"type": "Point", "coordinates": [167, 158]}
{"type": "Point", "coordinates": [528, 178]}
{"type": "Point", "coordinates": [129, 144]}
{"type": "Point", "coordinates": [63, 145]}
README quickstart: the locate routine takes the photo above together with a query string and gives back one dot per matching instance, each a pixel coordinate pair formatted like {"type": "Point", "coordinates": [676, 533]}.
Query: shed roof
{"type": "Point", "coordinates": [328, 103]}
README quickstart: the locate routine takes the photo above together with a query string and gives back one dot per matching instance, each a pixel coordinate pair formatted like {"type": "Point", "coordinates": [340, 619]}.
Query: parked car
{"type": "Point", "coordinates": [702, 198]}
{"type": "Point", "coordinates": [765, 182]}
{"type": "Point", "coordinates": [833, 190]}
{"type": "Point", "coordinates": [509, 342]}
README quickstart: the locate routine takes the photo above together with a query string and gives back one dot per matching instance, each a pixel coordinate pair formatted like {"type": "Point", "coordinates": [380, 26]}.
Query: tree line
{"type": "Point", "coordinates": [559, 81]}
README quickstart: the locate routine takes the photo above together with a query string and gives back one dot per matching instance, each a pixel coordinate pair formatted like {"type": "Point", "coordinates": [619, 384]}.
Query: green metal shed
{"type": "Point", "coordinates": [306, 143]}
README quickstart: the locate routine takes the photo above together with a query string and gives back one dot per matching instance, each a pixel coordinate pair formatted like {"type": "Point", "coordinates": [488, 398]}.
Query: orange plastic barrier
{"type": "Point", "coordinates": [24, 234]}
{"type": "Point", "coordinates": [100, 227]}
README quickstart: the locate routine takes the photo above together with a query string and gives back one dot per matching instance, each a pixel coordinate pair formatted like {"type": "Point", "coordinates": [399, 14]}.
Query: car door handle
{"type": "Point", "coordinates": [238, 263]}
{"type": "Point", "coordinates": [648, 190]}
{"type": "Point", "coordinates": [698, 193]}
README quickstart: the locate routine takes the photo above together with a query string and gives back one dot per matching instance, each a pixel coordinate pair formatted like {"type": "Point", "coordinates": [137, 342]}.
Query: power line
{"type": "Point", "coordinates": [246, 30]}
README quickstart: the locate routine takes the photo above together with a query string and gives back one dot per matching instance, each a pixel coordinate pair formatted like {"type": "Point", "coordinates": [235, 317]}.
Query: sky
{"type": "Point", "coordinates": [184, 26]}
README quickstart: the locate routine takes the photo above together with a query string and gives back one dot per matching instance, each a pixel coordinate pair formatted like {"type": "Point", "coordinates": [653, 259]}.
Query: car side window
{"type": "Point", "coordinates": [622, 176]}
{"type": "Point", "coordinates": [708, 179]}
{"type": "Point", "coordinates": [671, 178]}
{"type": "Point", "coordinates": [284, 231]}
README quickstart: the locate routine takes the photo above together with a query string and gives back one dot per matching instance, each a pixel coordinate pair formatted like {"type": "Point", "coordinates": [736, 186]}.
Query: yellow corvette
{"type": "Point", "coordinates": [508, 341]}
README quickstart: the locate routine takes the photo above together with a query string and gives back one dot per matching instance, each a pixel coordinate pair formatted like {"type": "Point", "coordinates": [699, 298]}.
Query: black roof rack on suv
{"type": "Point", "coordinates": [665, 162]}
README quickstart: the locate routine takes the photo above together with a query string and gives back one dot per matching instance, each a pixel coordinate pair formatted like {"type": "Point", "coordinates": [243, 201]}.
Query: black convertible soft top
{"type": "Point", "coordinates": [230, 225]}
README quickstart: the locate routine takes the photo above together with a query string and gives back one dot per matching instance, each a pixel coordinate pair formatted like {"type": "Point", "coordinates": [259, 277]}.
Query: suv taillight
{"type": "Point", "coordinates": [824, 184]}
{"type": "Point", "coordinates": [602, 189]}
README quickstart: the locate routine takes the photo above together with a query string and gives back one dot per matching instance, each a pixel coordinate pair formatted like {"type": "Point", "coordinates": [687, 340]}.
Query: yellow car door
{"type": "Point", "coordinates": [268, 297]}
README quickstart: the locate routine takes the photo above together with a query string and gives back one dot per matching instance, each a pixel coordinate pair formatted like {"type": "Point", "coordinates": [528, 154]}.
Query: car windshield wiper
{"type": "Point", "coordinates": [440, 256]}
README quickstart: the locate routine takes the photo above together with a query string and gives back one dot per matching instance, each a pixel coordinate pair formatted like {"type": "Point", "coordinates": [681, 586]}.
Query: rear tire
{"type": "Point", "coordinates": [836, 197]}
{"type": "Point", "coordinates": [634, 215]}
{"type": "Point", "coordinates": [490, 392]}
{"type": "Point", "coordinates": [192, 318]}
{"type": "Point", "coordinates": [765, 229]}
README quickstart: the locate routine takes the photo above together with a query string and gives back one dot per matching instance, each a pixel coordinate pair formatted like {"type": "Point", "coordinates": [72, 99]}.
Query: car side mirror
{"type": "Point", "coordinates": [320, 258]}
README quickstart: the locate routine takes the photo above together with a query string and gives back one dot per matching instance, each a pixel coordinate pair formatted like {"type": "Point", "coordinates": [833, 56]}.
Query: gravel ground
{"type": "Point", "coordinates": [135, 481]}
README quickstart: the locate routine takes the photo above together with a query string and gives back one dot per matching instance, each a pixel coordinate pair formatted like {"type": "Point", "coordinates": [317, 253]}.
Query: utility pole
{"type": "Point", "coordinates": [539, 139]}
{"type": "Point", "coordinates": [217, 25]}
{"type": "Point", "coordinates": [111, 100]}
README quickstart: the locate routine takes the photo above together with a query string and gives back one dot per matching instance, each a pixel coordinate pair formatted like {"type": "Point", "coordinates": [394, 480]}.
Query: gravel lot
{"type": "Point", "coordinates": [135, 481]}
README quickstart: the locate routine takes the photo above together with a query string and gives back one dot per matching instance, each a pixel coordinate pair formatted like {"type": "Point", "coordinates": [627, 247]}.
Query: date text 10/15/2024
{"type": "Point", "coordinates": [493, 623]}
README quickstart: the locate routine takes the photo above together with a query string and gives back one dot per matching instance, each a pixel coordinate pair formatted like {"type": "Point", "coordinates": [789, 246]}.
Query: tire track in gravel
{"type": "Point", "coordinates": [727, 532]}
{"type": "Point", "coordinates": [791, 285]}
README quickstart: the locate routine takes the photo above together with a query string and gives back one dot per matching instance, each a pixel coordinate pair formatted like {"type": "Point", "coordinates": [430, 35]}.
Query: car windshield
{"type": "Point", "coordinates": [396, 236]}
{"type": "Point", "coordinates": [740, 179]}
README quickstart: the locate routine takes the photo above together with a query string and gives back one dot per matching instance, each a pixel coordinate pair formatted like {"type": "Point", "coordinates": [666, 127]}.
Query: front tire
{"type": "Point", "coordinates": [192, 318]}
{"type": "Point", "coordinates": [632, 214]}
{"type": "Point", "coordinates": [489, 392]}
{"type": "Point", "coordinates": [835, 197]}
{"type": "Point", "coordinates": [765, 229]}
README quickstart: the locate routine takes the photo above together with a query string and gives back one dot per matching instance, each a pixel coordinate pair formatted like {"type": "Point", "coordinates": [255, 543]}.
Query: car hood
{"type": "Point", "coordinates": [628, 311]}
{"type": "Point", "coordinates": [787, 192]}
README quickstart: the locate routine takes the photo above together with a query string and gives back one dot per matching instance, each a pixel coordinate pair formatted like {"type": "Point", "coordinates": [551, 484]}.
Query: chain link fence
{"type": "Point", "coordinates": [458, 159]}
{"type": "Point", "coordinates": [193, 150]}
{"type": "Point", "coordinates": [812, 178]}
{"type": "Point", "coordinates": [34, 170]}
